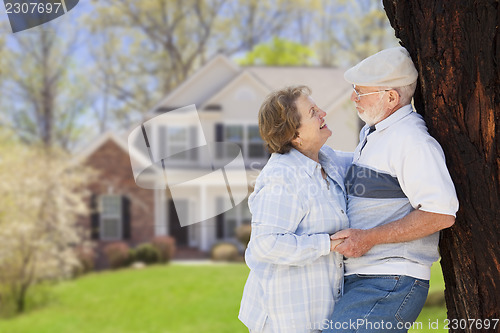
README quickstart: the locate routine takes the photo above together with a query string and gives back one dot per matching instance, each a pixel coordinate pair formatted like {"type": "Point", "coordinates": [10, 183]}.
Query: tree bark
{"type": "Point", "coordinates": [456, 48]}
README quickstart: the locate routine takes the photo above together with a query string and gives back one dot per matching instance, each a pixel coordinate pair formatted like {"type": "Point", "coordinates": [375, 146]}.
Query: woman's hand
{"type": "Point", "coordinates": [334, 243]}
{"type": "Point", "coordinates": [355, 242]}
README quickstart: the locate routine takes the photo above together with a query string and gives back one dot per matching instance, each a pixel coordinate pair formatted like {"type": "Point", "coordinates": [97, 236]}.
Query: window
{"type": "Point", "coordinates": [255, 143]}
{"type": "Point", "coordinates": [234, 134]}
{"type": "Point", "coordinates": [177, 142]}
{"type": "Point", "coordinates": [111, 217]}
{"type": "Point", "coordinates": [247, 137]}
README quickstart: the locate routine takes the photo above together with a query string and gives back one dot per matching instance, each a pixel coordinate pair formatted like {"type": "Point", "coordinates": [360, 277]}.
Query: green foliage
{"type": "Point", "coordinates": [167, 40]}
{"type": "Point", "coordinates": [146, 253]}
{"type": "Point", "coordinates": [136, 52]}
{"type": "Point", "coordinates": [279, 52]}
{"type": "Point", "coordinates": [39, 296]}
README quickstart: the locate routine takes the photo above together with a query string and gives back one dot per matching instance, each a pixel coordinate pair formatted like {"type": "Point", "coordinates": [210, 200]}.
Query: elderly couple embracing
{"type": "Point", "coordinates": [344, 242]}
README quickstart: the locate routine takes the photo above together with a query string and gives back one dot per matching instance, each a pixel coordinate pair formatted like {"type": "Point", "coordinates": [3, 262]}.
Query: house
{"type": "Point", "coordinates": [227, 98]}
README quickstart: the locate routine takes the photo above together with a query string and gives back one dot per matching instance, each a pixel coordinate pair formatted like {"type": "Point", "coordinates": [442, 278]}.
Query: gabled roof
{"type": "Point", "coordinates": [245, 75]}
{"type": "Point", "coordinates": [327, 83]}
{"type": "Point", "coordinates": [201, 79]}
{"type": "Point", "coordinates": [97, 143]}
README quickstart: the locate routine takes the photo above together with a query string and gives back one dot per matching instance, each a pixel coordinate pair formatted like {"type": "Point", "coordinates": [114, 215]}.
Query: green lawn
{"type": "Point", "coordinates": [159, 299]}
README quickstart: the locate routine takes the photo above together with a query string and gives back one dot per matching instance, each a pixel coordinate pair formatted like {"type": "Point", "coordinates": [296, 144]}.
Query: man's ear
{"type": "Point", "coordinates": [393, 97]}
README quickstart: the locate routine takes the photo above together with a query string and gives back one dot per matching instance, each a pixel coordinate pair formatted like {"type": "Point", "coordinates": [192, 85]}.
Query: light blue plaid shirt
{"type": "Point", "coordinates": [294, 279]}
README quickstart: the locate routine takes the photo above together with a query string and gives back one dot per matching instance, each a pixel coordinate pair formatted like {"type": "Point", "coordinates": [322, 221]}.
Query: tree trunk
{"type": "Point", "coordinates": [456, 48]}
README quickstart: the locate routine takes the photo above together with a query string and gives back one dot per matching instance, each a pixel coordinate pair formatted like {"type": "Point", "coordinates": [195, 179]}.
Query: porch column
{"type": "Point", "coordinates": [160, 218]}
{"type": "Point", "coordinates": [204, 224]}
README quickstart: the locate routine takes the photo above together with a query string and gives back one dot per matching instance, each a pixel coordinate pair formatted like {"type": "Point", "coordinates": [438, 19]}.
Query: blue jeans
{"type": "Point", "coordinates": [378, 303]}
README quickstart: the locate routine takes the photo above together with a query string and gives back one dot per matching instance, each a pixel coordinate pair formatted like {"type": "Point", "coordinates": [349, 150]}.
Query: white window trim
{"type": "Point", "coordinates": [102, 216]}
{"type": "Point", "coordinates": [184, 144]}
{"type": "Point", "coordinates": [247, 144]}
{"type": "Point", "coordinates": [245, 141]}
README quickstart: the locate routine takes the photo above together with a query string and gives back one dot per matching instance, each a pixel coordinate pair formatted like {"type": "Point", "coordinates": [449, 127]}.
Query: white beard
{"type": "Point", "coordinates": [373, 115]}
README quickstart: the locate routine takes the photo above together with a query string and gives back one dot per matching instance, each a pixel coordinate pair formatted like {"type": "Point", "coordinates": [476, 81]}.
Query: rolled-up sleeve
{"type": "Point", "coordinates": [425, 180]}
{"type": "Point", "coordinates": [277, 209]}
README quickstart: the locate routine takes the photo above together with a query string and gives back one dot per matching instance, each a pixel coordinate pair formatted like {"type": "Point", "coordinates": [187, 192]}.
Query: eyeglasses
{"type": "Point", "coordinates": [358, 95]}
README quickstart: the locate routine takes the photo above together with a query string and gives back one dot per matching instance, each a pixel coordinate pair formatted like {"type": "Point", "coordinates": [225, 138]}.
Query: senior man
{"type": "Point", "coordinates": [400, 195]}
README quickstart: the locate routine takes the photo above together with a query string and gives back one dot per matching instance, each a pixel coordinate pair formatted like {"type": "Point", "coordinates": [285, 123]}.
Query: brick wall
{"type": "Point", "coordinates": [115, 177]}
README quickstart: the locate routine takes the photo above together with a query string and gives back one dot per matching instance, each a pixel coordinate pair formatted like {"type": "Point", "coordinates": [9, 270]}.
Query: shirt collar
{"type": "Point", "coordinates": [304, 161]}
{"type": "Point", "coordinates": [395, 117]}
{"type": "Point", "coordinates": [331, 167]}
{"type": "Point", "coordinates": [326, 162]}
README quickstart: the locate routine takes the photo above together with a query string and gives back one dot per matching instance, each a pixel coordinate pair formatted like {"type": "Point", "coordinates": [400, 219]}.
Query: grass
{"type": "Point", "coordinates": [161, 299]}
{"type": "Point", "coordinates": [432, 317]}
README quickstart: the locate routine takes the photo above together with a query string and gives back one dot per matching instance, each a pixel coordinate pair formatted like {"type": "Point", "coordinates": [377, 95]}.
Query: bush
{"type": "Point", "coordinates": [225, 252]}
{"type": "Point", "coordinates": [165, 246]}
{"type": "Point", "coordinates": [243, 234]}
{"type": "Point", "coordinates": [117, 254]}
{"type": "Point", "coordinates": [7, 302]}
{"type": "Point", "coordinates": [86, 258]}
{"type": "Point", "coordinates": [146, 253]}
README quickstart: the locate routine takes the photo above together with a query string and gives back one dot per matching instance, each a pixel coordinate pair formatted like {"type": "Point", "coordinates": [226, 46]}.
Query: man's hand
{"type": "Point", "coordinates": [416, 225]}
{"type": "Point", "coordinates": [356, 242]}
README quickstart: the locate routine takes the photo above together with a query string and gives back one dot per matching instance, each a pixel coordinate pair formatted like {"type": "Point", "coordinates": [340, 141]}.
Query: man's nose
{"type": "Point", "coordinates": [353, 96]}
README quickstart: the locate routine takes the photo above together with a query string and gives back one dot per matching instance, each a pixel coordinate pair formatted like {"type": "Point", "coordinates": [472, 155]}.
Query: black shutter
{"type": "Point", "coordinates": [219, 137]}
{"type": "Point", "coordinates": [220, 226]}
{"type": "Point", "coordinates": [126, 217]}
{"type": "Point", "coordinates": [219, 132]}
{"type": "Point", "coordinates": [94, 217]}
{"type": "Point", "coordinates": [219, 220]}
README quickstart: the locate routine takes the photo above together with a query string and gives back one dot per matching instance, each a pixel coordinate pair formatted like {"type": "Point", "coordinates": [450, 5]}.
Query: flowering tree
{"type": "Point", "coordinates": [41, 196]}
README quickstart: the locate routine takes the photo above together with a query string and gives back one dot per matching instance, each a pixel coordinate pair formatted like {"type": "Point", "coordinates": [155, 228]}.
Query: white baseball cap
{"type": "Point", "coordinates": [388, 68]}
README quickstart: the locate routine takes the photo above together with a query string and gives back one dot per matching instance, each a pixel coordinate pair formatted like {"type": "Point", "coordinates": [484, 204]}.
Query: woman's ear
{"type": "Point", "coordinates": [297, 142]}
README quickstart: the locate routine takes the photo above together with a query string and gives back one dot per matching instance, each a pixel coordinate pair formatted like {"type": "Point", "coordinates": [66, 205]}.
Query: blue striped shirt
{"type": "Point", "coordinates": [396, 169]}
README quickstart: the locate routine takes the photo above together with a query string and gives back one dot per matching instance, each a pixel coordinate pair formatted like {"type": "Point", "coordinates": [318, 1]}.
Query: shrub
{"type": "Point", "coordinates": [117, 254]}
{"type": "Point", "coordinates": [165, 246]}
{"type": "Point", "coordinates": [243, 234]}
{"type": "Point", "coordinates": [7, 302]}
{"type": "Point", "coordinates": [225, 252]}
{"type": "Point", "coordinates": [146, 253]}
{"type": "Point", "coordinates": [86, 259]}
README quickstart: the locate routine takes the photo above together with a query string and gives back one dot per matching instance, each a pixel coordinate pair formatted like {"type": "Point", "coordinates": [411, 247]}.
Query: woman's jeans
{"type": "Point", "coordinates": [378, 303]}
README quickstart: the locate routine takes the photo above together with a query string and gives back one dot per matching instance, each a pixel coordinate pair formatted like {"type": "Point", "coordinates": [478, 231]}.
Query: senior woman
{"type": "Point", "coordinates": [298, 201]}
